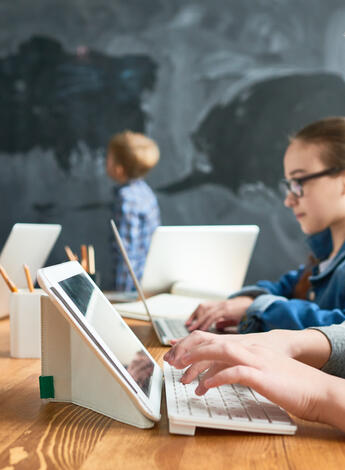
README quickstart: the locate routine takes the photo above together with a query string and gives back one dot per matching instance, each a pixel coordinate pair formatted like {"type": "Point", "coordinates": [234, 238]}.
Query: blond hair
{"type": "Point", "coordinates": [135, 152]}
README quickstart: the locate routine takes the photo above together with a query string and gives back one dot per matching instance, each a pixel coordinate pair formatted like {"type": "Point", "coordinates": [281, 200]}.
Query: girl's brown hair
{"type": "Point", "coordinates": [329, 133]}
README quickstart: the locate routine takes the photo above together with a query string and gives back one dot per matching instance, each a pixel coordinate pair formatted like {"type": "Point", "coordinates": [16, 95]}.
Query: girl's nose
{"type": "Point", "coordinates": [290, 199]}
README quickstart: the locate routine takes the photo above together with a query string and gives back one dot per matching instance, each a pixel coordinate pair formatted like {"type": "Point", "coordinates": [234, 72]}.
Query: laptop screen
{"type": "Point", "coordinates": [90, 301]}
{"type": "Point", "coordinates": [26, 244]}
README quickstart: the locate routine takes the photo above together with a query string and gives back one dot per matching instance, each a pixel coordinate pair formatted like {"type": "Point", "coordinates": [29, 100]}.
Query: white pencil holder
{"type": "Point", "coordinates": [25, 323]}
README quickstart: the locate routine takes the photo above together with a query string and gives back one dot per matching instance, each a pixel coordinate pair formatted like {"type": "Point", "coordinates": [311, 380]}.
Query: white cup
{"type": "Point", "coordinates": [25, 323]}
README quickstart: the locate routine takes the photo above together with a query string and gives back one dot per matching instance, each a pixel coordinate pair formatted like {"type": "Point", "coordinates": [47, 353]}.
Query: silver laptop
{"type": "Point", "coordinates": [26, 244]}
{"type": "Point", "coordinates": [173, 328]}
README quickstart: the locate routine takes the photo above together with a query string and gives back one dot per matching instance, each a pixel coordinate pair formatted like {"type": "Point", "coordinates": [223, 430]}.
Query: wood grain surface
{"type": "Point", "coordinates": [35, 434]}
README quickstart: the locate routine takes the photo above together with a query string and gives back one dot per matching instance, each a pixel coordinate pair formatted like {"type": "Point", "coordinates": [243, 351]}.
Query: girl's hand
{"type": "Point", "coordinates": [222, 313]}
{"type": "Point", "coordinates": [308, 346]}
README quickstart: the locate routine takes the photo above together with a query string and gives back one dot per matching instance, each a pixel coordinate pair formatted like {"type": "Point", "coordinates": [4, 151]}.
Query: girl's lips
{"type": "Point", "coordinates": [298, 216]}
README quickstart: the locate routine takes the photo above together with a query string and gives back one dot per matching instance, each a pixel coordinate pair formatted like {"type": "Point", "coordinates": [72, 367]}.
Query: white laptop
{"type": "Point", "coordinates": [209, 257]}
{"type": "Point", "coordinates": [86, 308]}
{"type": "Point", "coordinates": [28, 244]}
{"type": "Point", "coordinates": [175, 309]}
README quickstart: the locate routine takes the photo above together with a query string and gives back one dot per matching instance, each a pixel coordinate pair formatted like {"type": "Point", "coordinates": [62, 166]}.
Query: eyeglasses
{"type": "Point", "coordinates": [295, 185]}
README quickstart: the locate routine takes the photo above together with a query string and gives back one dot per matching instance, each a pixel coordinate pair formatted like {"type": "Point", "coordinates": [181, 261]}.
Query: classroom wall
{"type": "Point", "coordinates": [220, 85]}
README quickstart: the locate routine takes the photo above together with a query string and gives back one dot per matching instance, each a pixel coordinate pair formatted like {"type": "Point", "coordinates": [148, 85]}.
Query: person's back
{"type": "Point", "coordinates": [135, 210]}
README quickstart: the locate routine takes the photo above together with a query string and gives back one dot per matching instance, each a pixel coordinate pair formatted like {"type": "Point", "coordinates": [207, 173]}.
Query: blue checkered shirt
{"type": "Point", "coordinates": [136, 214]}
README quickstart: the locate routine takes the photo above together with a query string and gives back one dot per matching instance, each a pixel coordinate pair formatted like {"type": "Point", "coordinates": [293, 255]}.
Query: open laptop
{"type": "Point", "coordinates": [84, 306]}
{"type": "Point", "coordinates": [26, 244]}
{"type": "Point", "coordinates": [165, 328]}
{"type": "Point", "coordinates": [209, 257]}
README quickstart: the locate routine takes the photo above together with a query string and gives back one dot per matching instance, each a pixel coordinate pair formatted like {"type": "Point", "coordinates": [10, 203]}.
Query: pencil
{"type": "Point", "coordinates": [28, 277]}
{"type": "Point", "coordinates": [84, 262]}
{"type": "Point", "coordinates": [8, 281]}
{"type": "Point", "coordinates": [71, 256]}
{"type": "Point", "coordinates": [91, 257]}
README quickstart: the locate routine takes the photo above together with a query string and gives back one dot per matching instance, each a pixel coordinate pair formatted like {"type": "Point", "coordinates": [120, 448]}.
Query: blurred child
{"type": "Point", "coordinates": [136, 212]}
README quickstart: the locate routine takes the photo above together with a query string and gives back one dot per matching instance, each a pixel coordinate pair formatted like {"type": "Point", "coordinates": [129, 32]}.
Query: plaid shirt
{"type": "Point", "coordinates": [136, 214]}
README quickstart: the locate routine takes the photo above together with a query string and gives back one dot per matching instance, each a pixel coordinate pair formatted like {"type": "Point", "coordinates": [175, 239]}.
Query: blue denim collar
{"type": "Point", "coordinates": [321, 245]}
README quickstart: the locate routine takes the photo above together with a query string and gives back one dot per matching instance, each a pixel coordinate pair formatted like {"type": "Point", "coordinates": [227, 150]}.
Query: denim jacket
{"type": "Point", "coordinates": [275, 307]}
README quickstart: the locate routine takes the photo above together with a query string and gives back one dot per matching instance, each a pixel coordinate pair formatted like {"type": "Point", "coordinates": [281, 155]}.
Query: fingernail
{"type": "Point", "coordinates": [167, 356]}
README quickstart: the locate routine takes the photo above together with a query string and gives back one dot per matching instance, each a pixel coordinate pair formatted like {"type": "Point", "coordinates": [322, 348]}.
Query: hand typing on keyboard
{"type": "Point", "coordinates": [308, 346]}
{"type": "Point", "coordinates": [225, 313]}
{"type": "Point", "coordinates": [300, 389]}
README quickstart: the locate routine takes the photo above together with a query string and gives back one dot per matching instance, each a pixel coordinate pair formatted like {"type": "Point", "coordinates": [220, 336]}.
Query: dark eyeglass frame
{"type": "Point", "coordinates": [300, 181]}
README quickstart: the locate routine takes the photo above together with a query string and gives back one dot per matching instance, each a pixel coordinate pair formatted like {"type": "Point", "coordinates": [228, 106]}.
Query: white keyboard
{"type": "Point", "coordinates": [227, 407]}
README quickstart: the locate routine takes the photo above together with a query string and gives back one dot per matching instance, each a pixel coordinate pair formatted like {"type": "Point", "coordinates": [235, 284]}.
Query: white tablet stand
{"type": "Point", "coordinates": [72, 372]}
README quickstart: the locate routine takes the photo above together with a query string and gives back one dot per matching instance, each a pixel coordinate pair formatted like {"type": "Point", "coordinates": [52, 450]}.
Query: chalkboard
{"type": "Point", "coordinates": [56, 99]}
{"type": "Point", "coordinates": [220, 85]}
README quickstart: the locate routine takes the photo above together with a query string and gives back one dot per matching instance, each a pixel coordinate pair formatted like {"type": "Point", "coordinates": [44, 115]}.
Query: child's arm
{"type": "Point", "coordinates": [266, 314]}
{"type": "Point", "coordinates": [231, 311]}
{"type": "Point", "coordinates": [283, 287]}
{"type": "Point", "coordinates": [315, 348]}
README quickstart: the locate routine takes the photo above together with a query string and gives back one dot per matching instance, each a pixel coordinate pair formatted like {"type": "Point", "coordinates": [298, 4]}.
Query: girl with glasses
{"type": "Point", "coordinates": [314, 167]}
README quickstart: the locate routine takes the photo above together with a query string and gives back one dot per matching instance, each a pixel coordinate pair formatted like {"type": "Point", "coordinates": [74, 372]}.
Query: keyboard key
{"type": "Point", "coordinates": [275, 414]}
{"type": "Point", "coordinates": [198, 408]}
{"type": "Point", "coordinates": [219, 412]}
{"type": "Point", "coordinates": [176, 328]}
{"type": "Point", "coordinates": [256, 413]}
{"type": "Point", "coordinates": [238, 413]}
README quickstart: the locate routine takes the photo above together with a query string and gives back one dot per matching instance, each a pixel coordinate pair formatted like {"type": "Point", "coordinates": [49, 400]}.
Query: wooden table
{"type": "Point", "coordinates": [39, 435]}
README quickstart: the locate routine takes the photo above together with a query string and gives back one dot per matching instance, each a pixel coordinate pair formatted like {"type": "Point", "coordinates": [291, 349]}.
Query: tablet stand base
{"type": "Point", "coordinates": [72, 372]}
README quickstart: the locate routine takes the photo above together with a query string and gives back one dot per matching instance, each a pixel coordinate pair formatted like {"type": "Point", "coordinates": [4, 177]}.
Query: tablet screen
{"type": "Point", "coordinates": [100, 315]}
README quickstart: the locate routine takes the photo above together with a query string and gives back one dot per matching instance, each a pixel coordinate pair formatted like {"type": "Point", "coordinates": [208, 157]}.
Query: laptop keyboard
{"type": "Point", "coordinates": [176, 327]}
{"type": "Point", "coordinates": [228, 403]}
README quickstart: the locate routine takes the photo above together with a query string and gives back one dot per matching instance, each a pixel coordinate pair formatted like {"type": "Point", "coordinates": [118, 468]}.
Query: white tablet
{"type": "Point", "coordinates": [86, 308]}
{"type": "Point", "coordinates": [26, 244]}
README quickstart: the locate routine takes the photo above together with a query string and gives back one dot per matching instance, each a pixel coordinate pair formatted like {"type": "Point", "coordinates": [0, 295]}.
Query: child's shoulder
{"type": "Point", "coordinates": [135, 189]}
